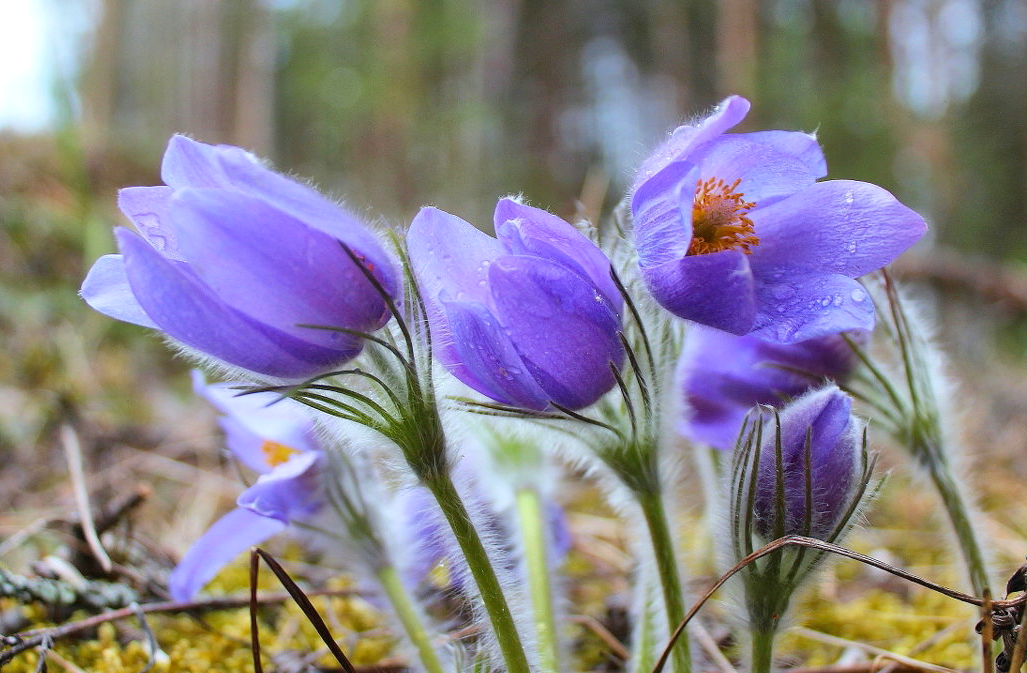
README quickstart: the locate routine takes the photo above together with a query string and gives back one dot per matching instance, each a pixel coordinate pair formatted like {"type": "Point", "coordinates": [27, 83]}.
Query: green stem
{"type": "Point", "coordinates": [492, 598]}
{"type": "Point", "coordinates": [533, 533]}
{"type": "Point", "coordinates": [667, 568]}
{"type": "Point", "coordinates": [408, 617]}
{"type": "Point", "coordinates": [762, 651]}
{"type": "Point", "coordinates": [962, 524]}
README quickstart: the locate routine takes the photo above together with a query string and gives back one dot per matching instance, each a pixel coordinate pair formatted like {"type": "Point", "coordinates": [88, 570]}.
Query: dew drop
{"type": "Point", "coordinates": [826, 301]}
{"type": "Point", "coordinates": [849, 198]}
{"type": "Point", "coordinates": [837, 300]}
{"type": "Point", "coordinates": [858, 295]}
{"type": "Point", "coordinates": [852, 247]}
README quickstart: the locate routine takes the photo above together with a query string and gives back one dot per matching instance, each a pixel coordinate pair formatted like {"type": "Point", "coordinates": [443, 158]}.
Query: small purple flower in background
{"type": "Point", "coordinates": [835, 449]}
{"type": "Point", "coordinates": [276, 440]}
{"type": "Point", "coordinates": [231, 258]}
{"type": "Point", "coordinates": [723, 376]}
{"type": "Point", "coordinates": [733, 231]}
{"type": "Point", "coordinates": [529, 318]}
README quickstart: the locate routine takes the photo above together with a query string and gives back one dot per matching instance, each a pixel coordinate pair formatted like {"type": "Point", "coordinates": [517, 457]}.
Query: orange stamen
{"type": "Point", "coordinates": [719, 219]}
{"type": "Point", "coordinates": [275, 454]}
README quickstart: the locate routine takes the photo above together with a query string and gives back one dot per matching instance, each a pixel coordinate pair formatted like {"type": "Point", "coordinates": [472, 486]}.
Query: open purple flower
{"type": "Point", "coordinates": [275, 438]}
{"type": "Point", "coordinates": [835, 450]}
{"type": "Point", "coordinates": [529, 318]}
{"type": "Point", "coordinates": [734, 231]}
{"type": "Point", "coordinates": [723, 376]}
{"type": "Point", "coordinates": [233, 259]}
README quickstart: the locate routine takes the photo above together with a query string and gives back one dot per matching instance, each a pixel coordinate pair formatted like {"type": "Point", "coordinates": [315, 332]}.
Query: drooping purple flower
{"type": "Point", "coordinates": [275, 438]}
{"type": "Point", "coordinates": [232, 259]}
{"type": "Point", "coordinates": [723, 376]}
{"type": "Point", "coordinates": [526, 318]}
{"type": "Point", "coordinates": [835, 449]}
{"type": "Point", "coordinates": [734, 231]}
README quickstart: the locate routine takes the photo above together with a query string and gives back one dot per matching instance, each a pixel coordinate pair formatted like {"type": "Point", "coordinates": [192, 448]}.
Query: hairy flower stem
{"type": "Point", "coordinates": [960, 517]}
{"type": "Point", "coordinates": [532, 522]}
{"type": "Point", "coordinates": [666, 566]}
{"type": "Point", "coordinates": [408, 617]}
{"type": "Point", "coordinates": [762, 650]}
{"type": "Point", "coordinates": [492, 598]}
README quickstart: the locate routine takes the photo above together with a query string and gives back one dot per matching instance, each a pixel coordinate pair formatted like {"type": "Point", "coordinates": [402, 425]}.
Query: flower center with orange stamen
{"type": "Point", "coordinates": [719, 219]}
{"type": "Point", "coordinates": [275, 454]}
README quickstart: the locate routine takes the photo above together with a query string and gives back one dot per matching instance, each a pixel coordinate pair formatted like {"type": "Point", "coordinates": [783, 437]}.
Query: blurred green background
{"type": "Point", "coordinates": [392, 104]}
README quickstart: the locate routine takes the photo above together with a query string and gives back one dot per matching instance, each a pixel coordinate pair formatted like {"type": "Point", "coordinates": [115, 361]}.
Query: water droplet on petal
{"type": "Point", "coordinates": [837, 300]}
{"type": "Point", "coordinates": [858, 295]}
{"type": "Point", "coordinates": [849, 198]}
{"type": "Point", "coordinates": [852, 247]}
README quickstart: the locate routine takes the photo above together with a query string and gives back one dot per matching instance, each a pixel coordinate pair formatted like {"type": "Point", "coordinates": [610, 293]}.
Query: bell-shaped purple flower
{"type": "Point", "coordinates": [734, 231]}
{"type": "Point", "coordinates": [526, 318]}
{"type": "Point", "coordinates": [820, 448]}
{"type": "Point", "coordinates": [723, 376]}
{"type": "Point", "coordinates": [275, 438]}
{"type": "Point", "coordinates": [236, 261]}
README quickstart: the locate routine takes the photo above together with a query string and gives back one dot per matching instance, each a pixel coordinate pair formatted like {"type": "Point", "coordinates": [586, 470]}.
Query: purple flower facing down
{"type": "Point", "coordinates": [733, 231]}
{"type": "Point", "coordinates": [232, 259]}
{"type": "Point", "coordinates": [276, 439]}
{"type": "Point", "coordinates": [526, 318]}
{"type": "Point", "coordinates": [723, 376]}
{"type": "Point", "coordinates": [835, 450]}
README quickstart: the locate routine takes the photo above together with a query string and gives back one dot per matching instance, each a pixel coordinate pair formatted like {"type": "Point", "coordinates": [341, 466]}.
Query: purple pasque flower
{"type": "Point", "coordinates": [723, 376]}
{"type": "Point", "coordinates": [835, 450]}
{"type": "Point", "coordinates": [526, 318]}
{"type": "Point", "coordinates": [230, 258]}
{"type": "Point", "coordinates": [733, 231]}
{"type": "Point", "coordinates": [275, 438]}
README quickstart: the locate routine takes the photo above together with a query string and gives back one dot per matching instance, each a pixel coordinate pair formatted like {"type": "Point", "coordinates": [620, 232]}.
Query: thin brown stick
{"type": "Point", "coordinates": [73, 453]}
{"type": "Point", "coordinates": [800, 541]}
{"type": "Point", "coordinates": [987, 634]}
{"type": "Point", "coordinates": [592, 624]}
{"type": "Point", "coordinates": [34, 637]}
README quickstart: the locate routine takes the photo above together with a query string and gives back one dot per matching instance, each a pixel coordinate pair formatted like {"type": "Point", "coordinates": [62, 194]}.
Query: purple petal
{"type": "Point", "coordinates": [802, 146]}
{"type": "Point", "coordinates": [147, 207]}
{"type": "Point", "coordinates": [766, 174]}
{"type": "Point", "coordinates": [686, 138]}
{"type": "Point", "coordinates": [230, 536]}
{"type": "Point", "coordinates": [482, 356]}
{"type": "Point", "coordinates": [188, 163]}
{"type": "Point", "coordinates": [189, 312]}
{"type": "Point", "coordinates": [106, 289]}
{"type": "Point", "coordinates": [715, 289]}
{"type": "Point", "coordinates": [662, 213]}
{"type": "Point", "coordinates": [289, 491]}
{"type": "Point", "coordinates": [274, 268]}
{"type": "Point", "coordinates": [252, 420]}
{"type": "Point", "coordinates": [800, 307]}
{"type": "Point", "coordinates": [563, 328]}
{"type": "Point", "coordinates": [535, 232]}
{"type": "Point", "coordinates": [838, 226]}
{"type": "Point", "coordinates": [826, 414]}
{"type": "Point", "coordinates": [449, 255]}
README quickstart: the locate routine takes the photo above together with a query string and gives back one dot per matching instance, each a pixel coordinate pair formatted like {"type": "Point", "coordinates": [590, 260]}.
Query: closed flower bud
{"type": "Point", "coordinates": [238, 262]}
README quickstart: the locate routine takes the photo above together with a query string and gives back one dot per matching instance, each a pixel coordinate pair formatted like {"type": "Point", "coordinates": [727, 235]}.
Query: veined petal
{"type": "Point", "coordinates": [800, 307]}
{"type": "Point", "coordinates": [662, 211]}
{"type": "Point", "coordinates": [563, 328]}
{"type": "Point", "coordinates": [106, 289]}
{"type": "Point", "coordinates": [685, 138]}
{"type": "Point", "coordinates": [179, 304]}
{"type": "Point", "coordinates": [147, 207]}
{"type": "Point", "coordinates": [716, 289]}
{"type": "Point", "coordinates": [839, 226]}
{"type": "Point", "coordinates": [451, 255]}
{"type": "Point", "coordinates": [288, 491]}
{"type": "Point", "coordinates": [230, 536]}
{"type": "Point", "coordinates": [766, 173]}
{"type": "Point", "coordinates": [237, 243]}
{"type": "Point", "coordinates": [191, 164]}
{"type": "Point", "coordinates": [481, 355]}
{"type": "Point", "coordinates": [803, 146]}
{"type": "Point", "coordinates": [532, 231]}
